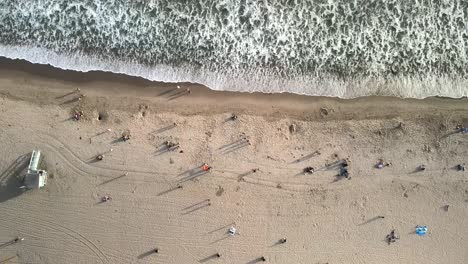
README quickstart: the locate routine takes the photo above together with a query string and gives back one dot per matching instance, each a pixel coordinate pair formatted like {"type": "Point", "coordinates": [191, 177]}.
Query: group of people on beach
{"type": "Point", "coordinates": [343, 171]}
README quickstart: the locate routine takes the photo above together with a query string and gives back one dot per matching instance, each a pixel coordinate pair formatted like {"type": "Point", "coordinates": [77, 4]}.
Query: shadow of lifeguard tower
{"type": "Point", "coordinates": [20, 176]}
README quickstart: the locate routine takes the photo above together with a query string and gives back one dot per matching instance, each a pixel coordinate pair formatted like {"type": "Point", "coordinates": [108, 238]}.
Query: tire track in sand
{"type": "Point", "coordinates": [88, 167]}
{"type": "Point", "coordinates": [71, 233]}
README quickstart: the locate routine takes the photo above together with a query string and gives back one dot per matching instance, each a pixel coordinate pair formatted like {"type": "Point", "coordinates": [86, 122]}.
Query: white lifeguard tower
{"type": "Point", "coordinates": [35, 178]}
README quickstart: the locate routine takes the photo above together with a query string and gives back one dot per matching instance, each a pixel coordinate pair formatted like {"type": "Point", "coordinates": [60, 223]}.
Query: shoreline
{"type": "Point", "coordinates": [302, 107]}
{"type": "Point", "coordinates": [158, 194]}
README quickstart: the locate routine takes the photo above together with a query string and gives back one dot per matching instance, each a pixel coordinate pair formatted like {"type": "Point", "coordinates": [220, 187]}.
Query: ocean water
{"type": "Point", "coordinates": [339, 48]}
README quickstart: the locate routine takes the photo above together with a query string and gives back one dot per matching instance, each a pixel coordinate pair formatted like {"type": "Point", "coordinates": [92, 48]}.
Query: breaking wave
{"type": "Point", "coordinates": [339, 48]}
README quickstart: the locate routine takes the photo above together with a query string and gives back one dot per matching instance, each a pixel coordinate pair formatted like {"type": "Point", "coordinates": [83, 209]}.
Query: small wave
{"type": "Point", "coordinates": [406, 87]}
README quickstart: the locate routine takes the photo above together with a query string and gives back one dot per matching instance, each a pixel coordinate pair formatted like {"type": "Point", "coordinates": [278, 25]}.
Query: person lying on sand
{"type": "Point", "coordinates": [205, 167]}
{"type": "Point", "coordinates": [105, 198]}
{"type": "Point", "coordinates": [381, 164]}
{"type": "Point", "coordinates": [392, 237]}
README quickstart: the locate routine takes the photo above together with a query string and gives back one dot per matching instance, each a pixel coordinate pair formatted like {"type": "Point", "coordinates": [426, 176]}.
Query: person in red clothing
{"type": "Point", "coordinates": [205, 167]}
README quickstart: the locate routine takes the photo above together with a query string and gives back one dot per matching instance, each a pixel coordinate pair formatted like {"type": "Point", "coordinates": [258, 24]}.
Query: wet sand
{"type": "Point", "coordinates": [325, 218]}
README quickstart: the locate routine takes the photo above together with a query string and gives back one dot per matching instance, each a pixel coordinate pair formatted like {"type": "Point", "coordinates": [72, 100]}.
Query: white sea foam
{"type": "Point", "coordinates": [339, 48]}
{"type": "Point", "coordinates": [407, 87]}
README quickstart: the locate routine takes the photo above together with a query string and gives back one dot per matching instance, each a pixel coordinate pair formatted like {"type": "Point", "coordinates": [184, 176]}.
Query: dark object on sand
{"type": "Point", "coordinates": [461, 167]}
{"type": "Point", "coordinates": [233, 117]}
{"type": "Point", "coordinates": [381, 164]}
{"type": "Point", "coordinates": [156, 250]}
{"type": "Point", "coordinates": [380, 216]}
{"type": "Point", "coordinates": [217, 255]}
{"type": "Point", "coordinates": [344, 164]}
{"type": "Point", "coordinates": [172, 145]}
{"type": "Point", "coordinates": [344, 169]}
{"type": "Point", "coordinates": [18, 239]}
{"type": "Point", "coordinates": [100, 157]}
{"type": "Point", "coordinates": [282, 241]}
{"type": "Point", "coordinates": [392, 237]}
{"type": "Point", "coordinates": [446, 207]}
{"type": "Point", "coordinates": [105, 198]}
{"type": "Point", "coordinates": [255, 170]}
{"type": "Point", "coordinates": [77, 115]}
{"type": "Point", "coordinates": [323, 112]}
{"type": "Point", "coordinates": [262, 259]}
{"type": "Point", "coordinates": [344, 172]}
{"type": "Point", "coordinates": [125, 136]}
{"type": "Point", "coordinates": [422, 167]}
{"type": "Point", "coordinates": [309, 170]}
{"type": "Point", "coordinates": [292, 128]}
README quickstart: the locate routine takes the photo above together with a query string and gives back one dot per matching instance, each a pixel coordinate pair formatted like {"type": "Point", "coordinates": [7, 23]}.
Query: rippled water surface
{"type": "Point", "coordinates": [344, 48]}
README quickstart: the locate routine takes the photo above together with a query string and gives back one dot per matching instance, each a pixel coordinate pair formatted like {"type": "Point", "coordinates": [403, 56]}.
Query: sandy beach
{"type": "Point", "coordinates": [161, 198]}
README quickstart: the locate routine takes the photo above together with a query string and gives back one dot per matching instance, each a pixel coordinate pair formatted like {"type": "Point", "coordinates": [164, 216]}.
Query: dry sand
{"type": "Point", "coordinates": [325, 219]}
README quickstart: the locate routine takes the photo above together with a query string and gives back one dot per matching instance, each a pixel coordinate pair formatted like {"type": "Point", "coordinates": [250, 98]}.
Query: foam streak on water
{"type": "Point", "coordinates": [343, 48]}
